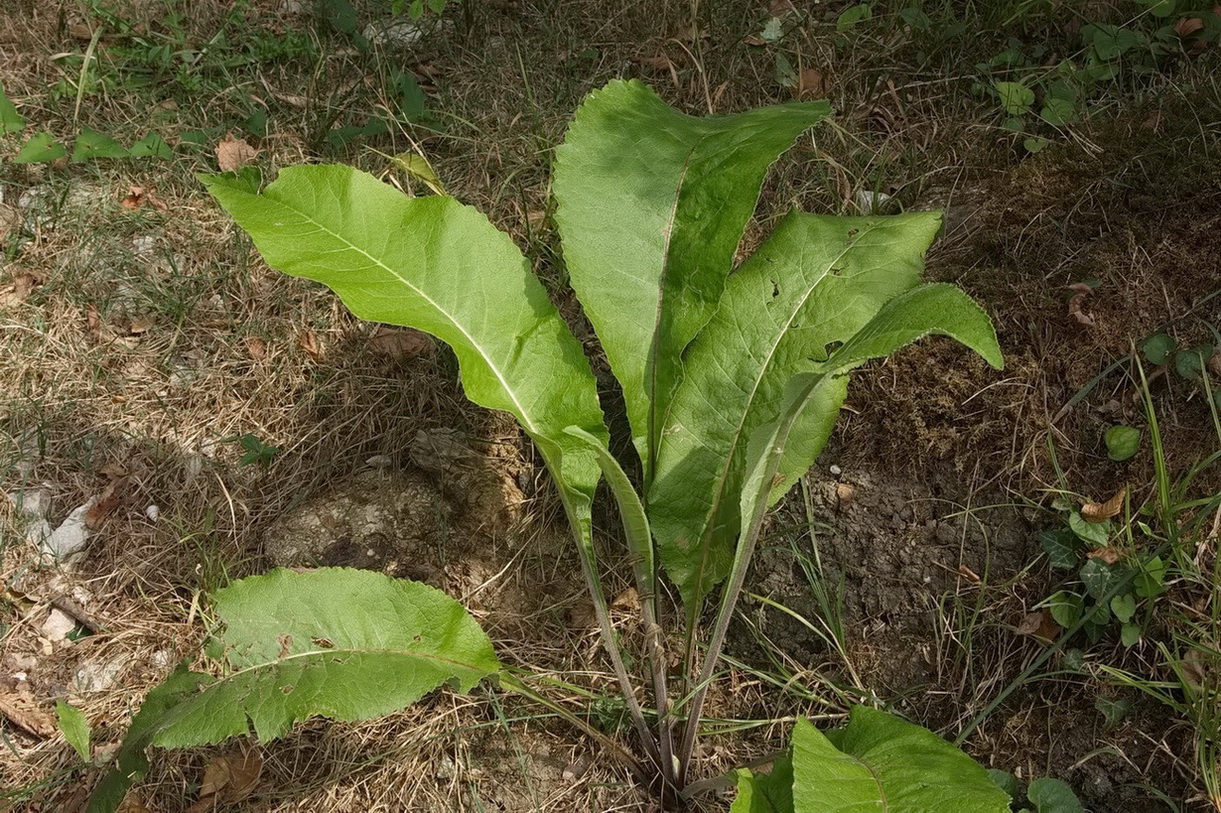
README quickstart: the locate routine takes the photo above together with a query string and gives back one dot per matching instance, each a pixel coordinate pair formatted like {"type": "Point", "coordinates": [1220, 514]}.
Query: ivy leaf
{"type": "Point", "coordinates": [1158, 347]}
{"type": "Point", "coordinates": [151, 146]}
{"type": "Point", "coordinates": [1061, 548]}
{"type": "Point", "coordinates": [1190, 363]}
{"type": "Point", "coordinates": [1124, 607]}
{"type": "Point", "coordinates": [1096, 533]}
{"type": "Point", "coordinates": [1098, 579]}
{"type": "Point", "coordinates": [91, 145]}
{"type": "Point", "coordinates": [1015, 97]}
{"type": "Point", "coordinates": [41, 148]}
{"type": "Point", "coordinates": [1052, 796]}
{"type": "Point", "coordinates": [10, 120]}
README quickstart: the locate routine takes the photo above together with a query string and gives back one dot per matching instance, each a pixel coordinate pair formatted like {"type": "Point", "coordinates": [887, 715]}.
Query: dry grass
{"type": "Point", "coordinates": [228, 348]}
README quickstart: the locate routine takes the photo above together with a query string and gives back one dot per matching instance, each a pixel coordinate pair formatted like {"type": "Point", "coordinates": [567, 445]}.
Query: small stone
{"type": "Point", "coordinates": [836, 471]}
{"type": "Point", "coordinates": [58, 625]}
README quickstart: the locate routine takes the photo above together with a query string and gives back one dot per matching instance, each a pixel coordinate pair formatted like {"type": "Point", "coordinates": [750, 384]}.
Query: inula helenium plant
{"type": "Point", "coordinates": [732, 379]}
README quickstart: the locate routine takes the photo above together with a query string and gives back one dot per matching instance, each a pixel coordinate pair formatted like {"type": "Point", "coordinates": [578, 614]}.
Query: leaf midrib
{"type": "Point", "coordinates": [722, 479]}
{"type": "Point", "coordinates": [522, 414]}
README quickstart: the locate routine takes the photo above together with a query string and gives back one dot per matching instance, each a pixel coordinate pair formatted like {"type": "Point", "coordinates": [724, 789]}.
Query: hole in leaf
{"type": "Point", "coordinates": [775, 289]}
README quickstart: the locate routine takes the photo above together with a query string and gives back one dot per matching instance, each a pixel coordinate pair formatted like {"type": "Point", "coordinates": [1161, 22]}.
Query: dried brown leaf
{"type": "Point", "coordinates": [1075, 304]}
{"type": "Point", "coordinates": [400, 343]}
{"type": "Point", "coordinates": [1039, 624]}
{"type": "Point", "coordinates": [307, 340]}
{"type": "Point", "coordinates": [1187, 26]}
{"type": "Point", "coordinates": [20, 707]}
{"type": "Point", "coordinates": [229, 779]}
{"type": "Point", "coordinates": [845, 493]}
{"type": "Point", "coordinates": [19, 290]}
{"type": "Point", "coordinates": [138, 196]}
{"type": "Point", "coordinates": [132, 804]}
{"type": "Point", "coordinates": [810, 84]}
{"type": "Point", "coordinates": [141, 325]}
{"type": "Point", "coordinates": [628, 601]}
{"type": "Point", "coordinates": [1101, 512]}
{"type": "Point", "coordinates": [256, 347]}
{"type": "Point", "coordinates": [105, 504]}
{"type": "Point", "coordinates": [1107, 555]}
{"type": "Point", "coordinates": [234, 153]}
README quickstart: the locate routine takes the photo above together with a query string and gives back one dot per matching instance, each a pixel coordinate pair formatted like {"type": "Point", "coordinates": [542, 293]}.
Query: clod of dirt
{"type": "Point", "coordinates": [377, 520]}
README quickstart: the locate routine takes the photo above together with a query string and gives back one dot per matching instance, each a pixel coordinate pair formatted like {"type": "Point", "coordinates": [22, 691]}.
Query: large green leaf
{"type": "Point", "coordinates": [347, 644]}
{"type": "Point", "coordinates": [765, 792]}
{"type": "Point", "coordinates": [434, 264]}
{"type": "Point", "coordinates": [815, 282]}
{"type": "Point", "coordinates": [652, 206]}
{"type": "Point", "coordinates": [131, 763]}
{"type": "Point", "coordinates": [883, 763]}
{"type": "Point", "coordinates": [930, 309]}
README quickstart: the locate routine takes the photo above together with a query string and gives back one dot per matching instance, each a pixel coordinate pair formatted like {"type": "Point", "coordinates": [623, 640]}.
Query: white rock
{"type": "Point", "coordinates": [871, 203]}
{"type": "Point", "coordinates": [98, 677]}
{"type": "Point", "coordinates": [394, 34]}
{"type": "Point", "coordinates": [836, 471]}
{"type": "Point", "coordinates": [58, 625]}
{"type": "Point", "coordinates": [70, 537]}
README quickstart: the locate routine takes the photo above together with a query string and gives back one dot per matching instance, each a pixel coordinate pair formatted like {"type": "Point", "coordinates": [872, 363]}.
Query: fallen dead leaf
{"type": "Point", "coordinates": [781, 8]}
{"type": "Point", "coordinates": [1192, 669]}
{"type": "Point", "coordinates": [138, 196]}
{"type": "Point", "coordinates": [583, 616]}
{"type": "Point", "coordinates": [113, 470]}
{"type": "Point", "coordinates": [1214, 363]}
{"type": "Point", "coordinates": [1039, 624]}
{"type": "Point", "coordinates": [845, 493]}
{"type": "Point", "coordinates": [234, 153]}
{"type": "Point", "coordinates": [1187, 26]}
{"type": "Point", "coordinates": [256, 347]}
{"type": "Point", "coordinates": [132, 804]}
{"type": "Point", "coordinates": [628, 601]}
{"type": "Point", "coordinates": [810, 84]}
{"type": "Point", "coordinates": [1107, 555]}
{"type": "Point", "coordinates": [1101, 512]}
{"type": "Point", "coordinates": [400, 343]}
{"type": "Point", "coordinates": [101, 508]}
{"type": "Point", "coordinates": [19, 290]}
{"type": "Point", "coordinates": [307, 340]}
{"type": "Point", "coordinates": [228, 779]}
{"type": "Point", "coordinates": [1081, 291]}
{"type": "Point", "coordinates": [141, 325]}
{"type": "Point", "coordinates": [20, 707]}
{"type": "Point", "coordinates": [755, 40]}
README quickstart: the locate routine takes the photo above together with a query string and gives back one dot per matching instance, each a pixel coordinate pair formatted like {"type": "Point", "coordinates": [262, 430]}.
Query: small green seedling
{"type": "Point", "coordinates": [74, 727]}
{"type": "Point", "coordinates": [732, 384]}
{"type": "Point", "coordinates": [1123, 442]}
